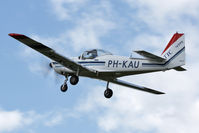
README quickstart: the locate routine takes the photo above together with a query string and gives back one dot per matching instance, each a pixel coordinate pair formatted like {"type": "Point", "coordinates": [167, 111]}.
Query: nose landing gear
{"type": "Point", "coordinates": [73, 80]}
{"type": "Point", "coordinates": [64, 87]}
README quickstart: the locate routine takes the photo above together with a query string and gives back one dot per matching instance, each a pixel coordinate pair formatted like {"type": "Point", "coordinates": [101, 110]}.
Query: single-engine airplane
{"type": "Point", "coordinates": [102, 65]}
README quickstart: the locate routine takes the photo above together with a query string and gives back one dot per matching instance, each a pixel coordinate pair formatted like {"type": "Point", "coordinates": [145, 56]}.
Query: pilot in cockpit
{"type": "Point", "coordinates": [89, 54]}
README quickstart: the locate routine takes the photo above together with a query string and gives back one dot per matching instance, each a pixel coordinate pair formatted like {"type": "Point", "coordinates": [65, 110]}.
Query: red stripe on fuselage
{"type": "Point", "coordinates": [175, 37]}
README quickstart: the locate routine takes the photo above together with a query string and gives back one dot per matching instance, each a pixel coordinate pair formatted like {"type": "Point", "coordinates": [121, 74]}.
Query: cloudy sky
{"type": "Point", "coordinates": [30, 98]}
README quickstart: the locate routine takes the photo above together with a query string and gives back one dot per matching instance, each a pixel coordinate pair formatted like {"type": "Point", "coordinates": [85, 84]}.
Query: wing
{"type": "Point", "coordinates": [141, 88]}
{"type": "Point", "coordinates": [50, 53]}
{"type": "Point", "coordinates": [150, 56]}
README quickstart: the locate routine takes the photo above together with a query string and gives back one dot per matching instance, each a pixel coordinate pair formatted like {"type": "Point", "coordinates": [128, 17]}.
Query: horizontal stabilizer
{"type": "Point", "coordinates": [179, 68]}
{"type": "Point", "coordinates": [150, 56]}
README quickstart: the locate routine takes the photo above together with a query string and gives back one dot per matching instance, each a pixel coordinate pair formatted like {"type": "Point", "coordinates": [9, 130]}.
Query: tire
{"type": "Point", "coordinates": [108, 93]}
{"type": "Point", "coordinates": [64, 88]}
{"type": "Point", "coordinates": [74, 80]}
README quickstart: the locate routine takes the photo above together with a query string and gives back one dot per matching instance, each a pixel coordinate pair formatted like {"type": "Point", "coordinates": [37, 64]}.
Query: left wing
{"type": "Point", "coordinates": [50, 53]}
{"type": "Point", "coordinates": [150, 56]}
{"type": "Point", "coordinates": [141, 88]}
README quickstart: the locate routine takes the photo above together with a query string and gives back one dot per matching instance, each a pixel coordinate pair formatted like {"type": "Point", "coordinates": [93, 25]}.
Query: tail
{"type": "Point", "coordinates": [174, 53]}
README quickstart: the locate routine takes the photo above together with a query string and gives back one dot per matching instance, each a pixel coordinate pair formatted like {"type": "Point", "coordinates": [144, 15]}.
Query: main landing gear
{"type": "Point", "coordinates": [108, 93]}
{"type": "Point", "coordinates": [73, 80]}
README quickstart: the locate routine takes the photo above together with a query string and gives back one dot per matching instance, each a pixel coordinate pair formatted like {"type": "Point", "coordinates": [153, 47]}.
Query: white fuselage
{"type": "Point", "coordinates": [113, 65]}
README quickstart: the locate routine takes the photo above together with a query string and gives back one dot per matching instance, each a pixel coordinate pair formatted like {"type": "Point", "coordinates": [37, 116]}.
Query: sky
{"type": "Point", "coordinates": [30, 96]}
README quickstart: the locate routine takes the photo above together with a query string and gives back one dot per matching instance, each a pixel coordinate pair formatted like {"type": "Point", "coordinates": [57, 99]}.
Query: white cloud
{"type": "Point", "coordinates": [147, 41]}
{"type": "Point", "coordinates": [57, 117]}
{"type": "Point", "coordinates": [160, 15]}
{"type": "Point", "coordinates": [11, 120]}
{"type": "Point", "coordinates": [88, 32]}
{"type": "Point", "coordinates": [27, 121]}
{"type": "Point", "coordinates": [64, 8]}
{"type": "Point", "coordinates": [90, 25]}
{"type": "Point", "coordinates": [54, 120]}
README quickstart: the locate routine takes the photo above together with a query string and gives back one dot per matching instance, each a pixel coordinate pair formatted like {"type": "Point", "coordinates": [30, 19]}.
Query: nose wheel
{"type": "Point", "coordinates": [108, 93]}
{"type": "Point", "coordinates": [73, 80]}
{"type": "Point", "coordinates": [64, 88]}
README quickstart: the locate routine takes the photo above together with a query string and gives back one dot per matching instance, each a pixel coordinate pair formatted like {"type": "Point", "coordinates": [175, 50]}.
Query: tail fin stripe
{"type": "Point", "coordinates": [173, 39]}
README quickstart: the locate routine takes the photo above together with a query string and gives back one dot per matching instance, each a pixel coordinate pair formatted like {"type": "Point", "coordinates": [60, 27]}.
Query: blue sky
{"type": "Point", "coordinates": [31, 101]}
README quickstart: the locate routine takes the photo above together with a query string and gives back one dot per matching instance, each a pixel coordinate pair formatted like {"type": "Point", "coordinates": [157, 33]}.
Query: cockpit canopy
{"type": "Point", "coordinates": [91, 54]}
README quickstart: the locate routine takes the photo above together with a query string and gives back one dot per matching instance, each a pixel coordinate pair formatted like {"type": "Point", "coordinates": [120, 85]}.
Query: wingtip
{"type": "Point", "coordinates": [14, 34]}
{"type": "Point", "coordinates": [17, 36]}
{"type": "Point", "coordinates": [161, 93]}
{"type": "Point", "coordinates": [155, 91]}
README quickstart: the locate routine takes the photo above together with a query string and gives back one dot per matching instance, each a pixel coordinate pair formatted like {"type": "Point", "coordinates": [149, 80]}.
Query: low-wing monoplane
{"type": "Point", "coordinates": [103, 65]}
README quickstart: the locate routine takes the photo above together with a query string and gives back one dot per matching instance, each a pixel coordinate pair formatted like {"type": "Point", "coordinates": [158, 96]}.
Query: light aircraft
{"type": "Point", "coordinates": [102, 65]}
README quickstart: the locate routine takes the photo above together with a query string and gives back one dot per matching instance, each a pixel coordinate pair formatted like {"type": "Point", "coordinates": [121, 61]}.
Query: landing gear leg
{"type": "Point", "coordinates": [108, 92]}
{"type": "Point", "coordinates": [64, 87]}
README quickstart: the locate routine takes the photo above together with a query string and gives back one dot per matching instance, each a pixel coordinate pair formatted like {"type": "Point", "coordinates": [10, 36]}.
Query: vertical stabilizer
{"type": "Point", "coordinates": [174, 52]}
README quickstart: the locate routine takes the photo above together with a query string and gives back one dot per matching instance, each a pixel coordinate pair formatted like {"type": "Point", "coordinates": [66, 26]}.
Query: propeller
{"type": "Point", "coordinates": [48, 71]}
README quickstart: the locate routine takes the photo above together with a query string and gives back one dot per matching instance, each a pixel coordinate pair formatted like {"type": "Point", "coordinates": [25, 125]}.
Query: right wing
{"type": "Point", "coordinates": [141, 88]}
{"type": "Point", "coordinates": [50, 53]}
{"type": "Point", "coordinates": [150, 56]}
